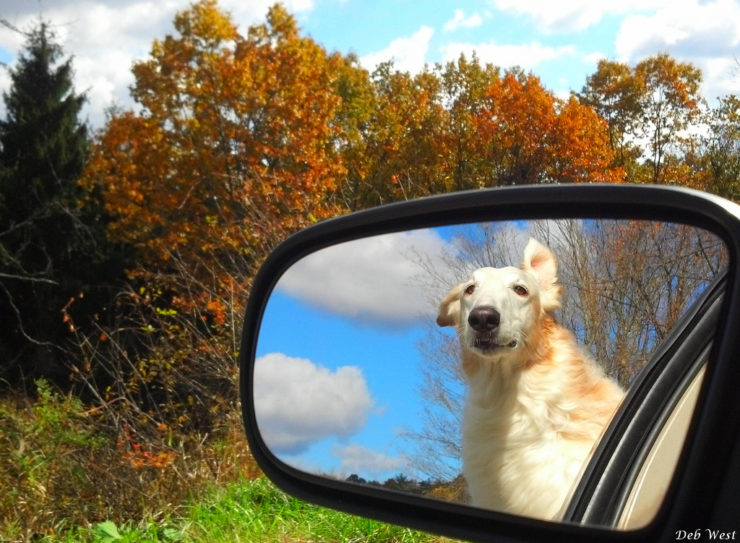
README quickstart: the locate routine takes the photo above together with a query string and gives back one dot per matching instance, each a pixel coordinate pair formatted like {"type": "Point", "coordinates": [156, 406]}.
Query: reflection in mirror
{"type": "Point", "coordinates": [391, 361]}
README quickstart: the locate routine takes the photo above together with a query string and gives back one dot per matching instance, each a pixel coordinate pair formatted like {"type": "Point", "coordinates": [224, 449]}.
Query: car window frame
{"type": "Point", "coordinates": [602, 492]}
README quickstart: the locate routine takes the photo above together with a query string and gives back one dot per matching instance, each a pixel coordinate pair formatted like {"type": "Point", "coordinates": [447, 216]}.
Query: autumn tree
{"type": "Point", "coordinates": [464, 86]}
{"type": "Point", "coordinates": [402, 152]}
{"type": "Point", "coordinates": [649, 109]}
{"type": "Point", "coordinates": [614, 93]}
{"type": "Point", "coordinates": [580, 147]}
{"type": "Point", "coordinates": [406, 136]}
{"type": "Point", "coordinates": [418, 134]}
{"type": "Point", "coordinates": [463, 125]}
{"type": "Point", "coordinates": [355, 124]}
{"type": "Point", "coordinates": [231, 149]}
{"type": "Point", "coordinates": [720, 152]}
{"type": "Point", "coordinates": [669, 104]}
{"type": "Point", "coordinates": [528, 136]}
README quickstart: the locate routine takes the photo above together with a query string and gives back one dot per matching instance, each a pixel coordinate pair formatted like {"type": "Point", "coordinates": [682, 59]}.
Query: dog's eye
{"type": "Point", "coordinates": [470, 290]}
{"type": "Point", "coordinates": [520, 290]}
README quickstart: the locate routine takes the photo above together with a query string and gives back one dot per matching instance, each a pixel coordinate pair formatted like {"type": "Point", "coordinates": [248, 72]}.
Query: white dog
{"type": "Point", "coordinates": [536, 403]}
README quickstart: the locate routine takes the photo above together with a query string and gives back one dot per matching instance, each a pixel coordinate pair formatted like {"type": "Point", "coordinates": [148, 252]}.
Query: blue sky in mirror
{"type": "Point", "coordinates": [339, 365]}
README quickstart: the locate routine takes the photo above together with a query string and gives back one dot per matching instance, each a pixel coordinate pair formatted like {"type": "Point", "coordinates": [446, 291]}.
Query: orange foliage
{"type": "Point", "coordinates": [231, 149]}
{"type": "Point", "coordinates": [137, 455]}
{"type": "Point", "coordinates": [648, 108]}
{"type": "Point", "coordinates": [529, 136]}
{"type": "Point", "coordinates": [241, 139]}
{"type": "Point", "coordinates": [581, 150]}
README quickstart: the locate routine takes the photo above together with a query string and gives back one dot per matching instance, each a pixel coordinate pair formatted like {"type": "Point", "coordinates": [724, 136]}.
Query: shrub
{"type": "Point", "coordinates": [46, 450]}
{"type": "Point", "coordinates": [61, 466]}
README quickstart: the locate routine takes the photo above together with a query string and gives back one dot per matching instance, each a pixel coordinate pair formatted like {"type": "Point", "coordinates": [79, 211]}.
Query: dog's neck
{"type": "Point", "coordinates": [491, 381]}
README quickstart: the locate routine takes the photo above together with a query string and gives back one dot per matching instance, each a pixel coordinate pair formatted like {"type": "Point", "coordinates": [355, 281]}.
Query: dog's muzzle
{"type": "Point", "coordinates": [484, 321]}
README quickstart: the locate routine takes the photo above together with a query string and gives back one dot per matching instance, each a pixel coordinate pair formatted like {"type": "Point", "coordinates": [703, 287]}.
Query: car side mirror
{"type": "Point", "coordinates": [503, 363]}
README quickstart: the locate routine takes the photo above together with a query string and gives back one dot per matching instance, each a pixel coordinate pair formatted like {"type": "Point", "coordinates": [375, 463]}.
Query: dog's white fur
{"type": "Point", "coordinates": [536, 403]}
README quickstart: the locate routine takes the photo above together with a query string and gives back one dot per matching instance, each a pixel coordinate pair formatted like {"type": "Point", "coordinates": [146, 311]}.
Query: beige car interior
{"type": "Point", "coordinates": [657, 470]}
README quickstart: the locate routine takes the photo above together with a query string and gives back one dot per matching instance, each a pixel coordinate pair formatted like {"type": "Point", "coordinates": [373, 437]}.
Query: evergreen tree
{"type": "Point", "coordinates": [52, 246]}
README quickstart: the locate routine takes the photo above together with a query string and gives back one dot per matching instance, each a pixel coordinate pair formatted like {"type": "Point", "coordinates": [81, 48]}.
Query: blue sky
{"type": "Point", "coordinates": [388, 362]}
{"type": "Point", "coordinates": [420, 34]}
{"type": "Point", "coordinates": [559, 41]}
{"type": "Point", "coordinates": [321, 319]}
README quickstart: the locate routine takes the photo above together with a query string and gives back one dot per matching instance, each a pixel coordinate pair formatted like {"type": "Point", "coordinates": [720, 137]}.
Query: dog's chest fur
{"type": "Point", "coordinates": [528, 432]}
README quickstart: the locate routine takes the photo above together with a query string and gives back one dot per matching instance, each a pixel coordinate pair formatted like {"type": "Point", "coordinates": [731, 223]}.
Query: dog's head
{"type": "Point", "coordinates": [497, 309]}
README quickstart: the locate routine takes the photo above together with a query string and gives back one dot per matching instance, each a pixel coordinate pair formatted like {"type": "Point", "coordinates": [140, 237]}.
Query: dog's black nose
{"type": "Point", "coordinates": [484, 319]}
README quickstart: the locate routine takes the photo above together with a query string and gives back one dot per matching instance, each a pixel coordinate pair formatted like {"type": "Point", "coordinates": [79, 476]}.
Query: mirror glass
{"type": "Point", "coordinates": [370, 350]}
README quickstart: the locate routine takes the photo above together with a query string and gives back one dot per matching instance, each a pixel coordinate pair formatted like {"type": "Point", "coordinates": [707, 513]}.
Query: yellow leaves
{"type": "Point", "coordinates": [204, 21]}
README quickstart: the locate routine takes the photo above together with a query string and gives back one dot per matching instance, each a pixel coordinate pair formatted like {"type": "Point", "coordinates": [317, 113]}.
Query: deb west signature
{"type": "Point", "coordinates": [705, 534]}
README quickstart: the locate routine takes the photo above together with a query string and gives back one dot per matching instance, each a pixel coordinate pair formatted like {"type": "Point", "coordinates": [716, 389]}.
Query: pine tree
{"type": "Point", "coordinates": [51, 233]}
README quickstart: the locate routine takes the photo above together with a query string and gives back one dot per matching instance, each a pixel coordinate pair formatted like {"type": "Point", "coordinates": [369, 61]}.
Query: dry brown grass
{"type": "Point", "coordinates": [59, 467]}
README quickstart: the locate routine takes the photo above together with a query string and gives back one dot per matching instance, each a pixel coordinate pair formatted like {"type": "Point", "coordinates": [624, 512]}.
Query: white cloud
{"type": "Point", "coordinates": [106, 38]}
{"type": "Point", "coordinates": [526, 55]}
{"type": "Point", "coordinates": [687, 28]}
{"type": "Point", "coordinates": [721, 77]}
{"type": "Point", "coordinates": [361, 460]}
{"type": "Point", "coordinates": [704, 33]}
{"type": "Point", "coordinates": [368, 279]}
{"type": "Point", "coordinates": [408, 54]}
{"type": "Point", "coordinates": [103, 40]}
{"type": "Point", "coordinates": [460, 21]}
{"type": "Point", "coordinates": [298, 402]}
{"type": "Point", "coordinates": [594, 58]}
{"type": "Point", "coordinates": [571, 15]}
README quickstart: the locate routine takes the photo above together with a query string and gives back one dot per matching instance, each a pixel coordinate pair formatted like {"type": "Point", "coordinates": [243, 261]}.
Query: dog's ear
{"type": "Point", "coordinates": [449, 309]}
{"type": "Point", "coordinates": [539, 261]}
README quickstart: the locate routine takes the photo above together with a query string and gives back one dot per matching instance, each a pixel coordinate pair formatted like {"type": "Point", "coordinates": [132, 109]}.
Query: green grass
{"type": "Point", "coordinates": [253, 511]}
